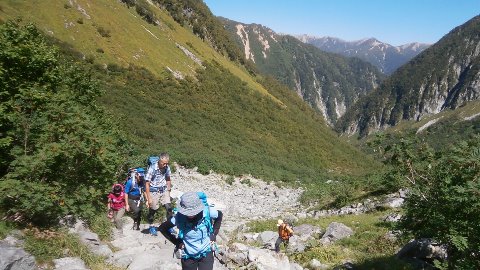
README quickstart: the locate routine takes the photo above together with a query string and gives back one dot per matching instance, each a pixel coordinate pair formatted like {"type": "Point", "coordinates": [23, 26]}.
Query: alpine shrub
{"type": "Point", "coordinates": [59, 151]}
{"type": "Point", "coordinates": [443, 201]}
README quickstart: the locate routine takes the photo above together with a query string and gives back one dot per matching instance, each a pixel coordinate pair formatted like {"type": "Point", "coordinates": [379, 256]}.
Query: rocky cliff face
{"type": "Point", "coordinates": [328, 82]}
{"type": "Point", "coordinates": [444, 76]}
{"type": "Point", "coordinates": [385, 57]}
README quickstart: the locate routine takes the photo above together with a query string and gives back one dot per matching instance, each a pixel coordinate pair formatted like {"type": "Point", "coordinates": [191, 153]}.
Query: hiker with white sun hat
{"type": "Point", "coordinates": [198, 225]}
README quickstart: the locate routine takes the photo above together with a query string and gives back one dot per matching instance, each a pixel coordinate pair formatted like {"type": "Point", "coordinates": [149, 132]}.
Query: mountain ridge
{"type": "Point", "coordinates": [328, 82]}
{"type": "Point", "coordinates": [384, 56]}
{"type": "Point", "coordinates": [444, 76]}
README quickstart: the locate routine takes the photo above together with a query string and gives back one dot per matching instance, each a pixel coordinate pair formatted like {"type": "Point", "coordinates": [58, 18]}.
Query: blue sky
{"type": "Point", "coordinates": [396, 22]}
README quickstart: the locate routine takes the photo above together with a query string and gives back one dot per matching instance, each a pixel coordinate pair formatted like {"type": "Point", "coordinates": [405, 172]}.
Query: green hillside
{"type": "Point", "coordinates": [218, 117]}
{"type": "Point", "coordinates": [329, 82]}
{"type": "Point", "coordinates": [108, 32]}
{"type": "Point", "coordinates": [444, 76]}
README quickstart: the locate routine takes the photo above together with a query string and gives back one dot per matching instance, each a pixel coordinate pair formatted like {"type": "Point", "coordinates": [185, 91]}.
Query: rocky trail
{"type": "Point", "coordinates": [241, 199]}
{"type": "Point", "coordinates": [245, 199]}
{"type": "Point", "coordinates": [138, 250]}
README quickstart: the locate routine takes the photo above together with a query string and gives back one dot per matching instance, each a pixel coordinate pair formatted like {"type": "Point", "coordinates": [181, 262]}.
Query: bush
{"type": "Point", "coordinates": [59, 151]}
{"type": "Point", "coordinates": [230, 180]}
{"type": "Point", "coordinates": [143, 9]}
{"type": "Point", "coordinates": [103, 32]}
{"type": "Point", "coordinates": [444, 197]}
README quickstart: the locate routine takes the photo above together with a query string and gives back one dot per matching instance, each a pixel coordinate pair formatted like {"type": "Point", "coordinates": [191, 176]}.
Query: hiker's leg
{"type": "Point", "coordinates": [285, 243]}
{"type": "Point", "coordinates": [153, 207]}
{"type": "Point", "coordinates": [206, 263]}
{"type": "Point", "coordinates": [136, 210]}
{"type": "Point", "coordinates": [117, 217]}
{"type": "Point", "coordinates": [166, 202]}
{"type": "Point", "coordinates": [139, 214]}
{"type": "Point", "coordinates": [189, 264]}
{"type": "Point", "coordinates": [277, 244]}
{"type": "Point", "coordinates": [169, 210]}
{"type": "Point", "coordinates": [151, 216]}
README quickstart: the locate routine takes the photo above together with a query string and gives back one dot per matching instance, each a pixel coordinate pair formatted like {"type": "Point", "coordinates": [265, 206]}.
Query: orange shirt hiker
{"type": "Point", "coordinates": [284, 231]}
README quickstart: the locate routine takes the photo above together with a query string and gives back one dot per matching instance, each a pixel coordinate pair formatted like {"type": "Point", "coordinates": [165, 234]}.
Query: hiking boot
{"type": "Point", "coordinates": [138, 226]}
{"type": "Point", "coordinates": [153, 231]}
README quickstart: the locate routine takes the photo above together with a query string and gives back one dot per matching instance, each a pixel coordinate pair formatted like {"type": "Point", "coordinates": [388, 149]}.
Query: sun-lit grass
{"type": "Point", "coordinates": [131, 40]}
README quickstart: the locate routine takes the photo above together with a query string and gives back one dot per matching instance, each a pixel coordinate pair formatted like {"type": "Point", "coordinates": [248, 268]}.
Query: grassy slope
{"type": "Point", "coordinates": [222, 119]}
{"type": "Point", "coordinates": [131, 41]}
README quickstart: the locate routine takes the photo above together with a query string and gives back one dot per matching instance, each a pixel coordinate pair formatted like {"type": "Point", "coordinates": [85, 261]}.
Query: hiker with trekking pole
{"type": "Point", "coordinates": [198, 225]}
{"type": "Point", "coordinates": [134, 198]}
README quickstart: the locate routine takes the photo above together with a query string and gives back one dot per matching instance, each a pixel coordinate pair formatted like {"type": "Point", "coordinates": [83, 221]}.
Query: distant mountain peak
{"type": "Point", "coordinates": [384, 56]}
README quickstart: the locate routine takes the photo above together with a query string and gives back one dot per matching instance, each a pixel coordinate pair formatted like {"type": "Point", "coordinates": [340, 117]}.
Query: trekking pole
{"type": "Point", "coordinates": [214, 248]}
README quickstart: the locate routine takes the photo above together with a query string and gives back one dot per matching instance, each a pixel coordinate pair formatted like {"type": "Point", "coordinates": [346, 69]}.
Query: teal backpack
{"type": "Point", "coordinates": [207, 220]}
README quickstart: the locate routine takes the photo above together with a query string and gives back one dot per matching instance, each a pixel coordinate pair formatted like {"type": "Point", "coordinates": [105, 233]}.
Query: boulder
{"type": "Point", "coordinates": [335, 231]}
{"type": "Point", "coordinates": [267, 239]}
{"type": "Point", "coordinates": [124, 258]}
{"type": "Point", "coordinates": [295, 244]}
{"type": "Point", "coordinates": [248, 237]}
{"type": "Point", "coordinates": [317, 265]}
{"type": "Point", "coordinates": [237, 254]}
{"type": "Point", "coordinates": [154, 260]}
{"type": "Point", "coordinates": [268, 260]}
{"type": "Point", "coordinates": [393, 202]}
{"type": "Point", "coordinates": [295, 266]}
{"type": "Point", "coordinates": [69, 263]}
{"type": "Point", "coordinates": [422, 251]}
{"type": "Point", "coordinates": [15, 258]}
{"type": "Point", "coordinates": [93, 243]}
{"type": "Point", "coordinates": [238, 258]}
{"type": "Point", "coordinates": [307, 231]}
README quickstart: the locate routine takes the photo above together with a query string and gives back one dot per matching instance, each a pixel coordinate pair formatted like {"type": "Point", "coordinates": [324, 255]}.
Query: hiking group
{"type": "Point", "coordinates": [192, 228]}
